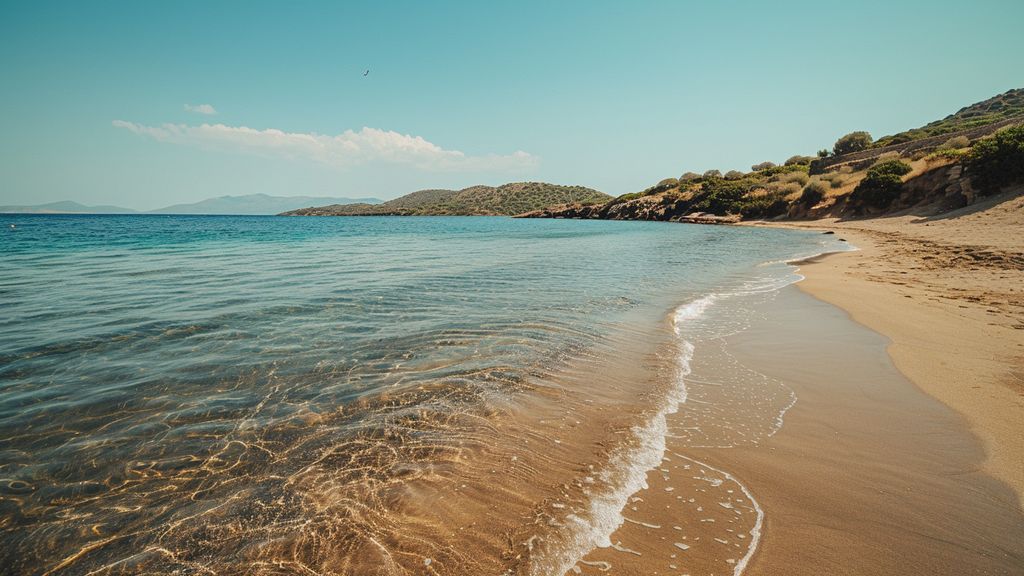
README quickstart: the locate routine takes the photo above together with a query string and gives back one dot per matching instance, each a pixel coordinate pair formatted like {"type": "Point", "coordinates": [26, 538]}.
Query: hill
{"type": "Point", "coordinates": [505, 200]}
{"type": "Point", "coordinates": [254, 204]}
{"type": "Point", "coordinates": [981, 155]}
{"type": "Point", "coordinates": [1006, 105]}
{"type": "Point", "coordinates": [64, 207]}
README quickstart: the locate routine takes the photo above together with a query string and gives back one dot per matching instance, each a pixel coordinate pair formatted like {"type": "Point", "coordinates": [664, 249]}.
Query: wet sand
{"type": "Point", "coordinates": [948, 291]}
{"type": "Point", "coordinates": [869, 475]}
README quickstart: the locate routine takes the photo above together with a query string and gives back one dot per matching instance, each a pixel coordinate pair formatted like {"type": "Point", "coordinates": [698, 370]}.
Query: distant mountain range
{"type": "Point", "coordinates": [505, 200]}
{"type": "Point", "coordinates": [64, 207]}
{"type": "Point", "coordinates": [247, 205]}
{"type": "Point", "coordinates": [256, 204]}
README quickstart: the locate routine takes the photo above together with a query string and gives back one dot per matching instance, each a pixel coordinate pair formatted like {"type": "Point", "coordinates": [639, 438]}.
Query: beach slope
{"type": "Point", "coordinates": [948, 291]}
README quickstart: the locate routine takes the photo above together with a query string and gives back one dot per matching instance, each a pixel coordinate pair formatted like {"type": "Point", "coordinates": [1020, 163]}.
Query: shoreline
{"type": "Point", "coordinates": [946, 333]}
{"type": "Point", "coordinates": [868, 475]}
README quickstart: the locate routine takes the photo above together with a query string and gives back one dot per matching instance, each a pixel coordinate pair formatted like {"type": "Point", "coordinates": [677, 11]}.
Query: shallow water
{"type": "Point", "coordinates": [357, 395]}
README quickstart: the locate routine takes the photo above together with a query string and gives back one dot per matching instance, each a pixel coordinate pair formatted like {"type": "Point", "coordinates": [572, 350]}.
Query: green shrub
{"type": "Point", "coordinates": [852, 142]}
{"type": "Point", "coordinates": [628, 197]}
{"type": "Point", "coordinates": [783, 170]}
{"type": "Point", "coordinates": [712, 174]}
{"type": "Point", "coordinates": [947, 154]}
{"type": "Point", "coordinates": [689, 176]}
{"type": "Point", "coordinates": [733, 175]}
{"type": "Point", "coordinates": [799, 160]}
{"type": "Point", "coordinates": [768, 206]}
{"type": "Point", "coordinates": [813, 193]}
{"type": "Point", "coordinates": [721, 197]}
{"type": "Point", "coordinates": [997, 161]}
{"type": "Point", "coordinates": [823, 153]}
{"type": "Point", "coordinates": [882, 184]}
{"type": "Point", "coordinates": [890, 166]}
{"type": "Point", "coordinates": [762, 166]}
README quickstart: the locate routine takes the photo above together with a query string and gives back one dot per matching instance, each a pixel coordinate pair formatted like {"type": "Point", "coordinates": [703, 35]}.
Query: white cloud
{"type": "Point", "coordinates": [205, 109]}
{"type": "Point", "coordinates": [350, 148]}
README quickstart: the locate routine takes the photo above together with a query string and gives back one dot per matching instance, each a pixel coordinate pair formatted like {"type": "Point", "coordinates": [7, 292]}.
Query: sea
{"type": "Point", "coordinates": [363, 395]}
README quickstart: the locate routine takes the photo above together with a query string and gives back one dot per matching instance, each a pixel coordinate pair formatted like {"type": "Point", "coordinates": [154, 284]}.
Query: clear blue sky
{"type": "Point", "coordinates": [94, 97]}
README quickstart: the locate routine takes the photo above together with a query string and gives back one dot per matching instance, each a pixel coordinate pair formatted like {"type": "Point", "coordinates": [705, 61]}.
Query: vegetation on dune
{"type": "Point", "coordinates": [997, 161]}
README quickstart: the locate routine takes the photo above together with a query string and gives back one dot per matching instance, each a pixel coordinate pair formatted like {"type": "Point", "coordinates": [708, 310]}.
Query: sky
{"type": "Point", "coordinates": [146, 104]}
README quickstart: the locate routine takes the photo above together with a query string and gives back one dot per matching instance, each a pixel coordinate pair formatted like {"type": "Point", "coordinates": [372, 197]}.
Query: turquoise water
{"type": "Point", "coordinates": [249, 392]}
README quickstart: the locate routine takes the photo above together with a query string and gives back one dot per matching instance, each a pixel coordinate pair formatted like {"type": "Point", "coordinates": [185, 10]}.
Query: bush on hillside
{"type": "Point", "coordinates": [689, 176]}
{"type": "Point", "coordinates": [882, 184]}
{"type": "Point", "coordinates": [762, 166]}
{"type": "Point", "coordinates": [720, 197]}
{"type": "Point", "coordinates": [852, 142]}
{"type": "Point", "coordinates": [997, 161]}
{"type": "Point", "coordinates": [813, 193]}
{"type": "Point", "coordinates": [891, 166]}
{"type": "Point", "coordinates": [799, 160]}
{"type": "Point", "coordinates": [733, 175]}
{"type": "Point", "coordinates": [768, 206]}
{"type": "Point", "coordinates": [823, 153]}
{"type": "Point", "coordinates": [712, 174]}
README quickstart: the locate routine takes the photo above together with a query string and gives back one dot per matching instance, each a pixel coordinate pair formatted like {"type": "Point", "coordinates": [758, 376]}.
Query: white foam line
{"type": "Point", "coordinates": [755, 532]}
{"type": "Point", "coordinates": [606, 509]}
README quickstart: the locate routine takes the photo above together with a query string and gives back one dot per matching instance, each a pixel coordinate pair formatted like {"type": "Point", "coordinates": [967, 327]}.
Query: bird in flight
{"type": "Point", "coordinates": [367, 72]}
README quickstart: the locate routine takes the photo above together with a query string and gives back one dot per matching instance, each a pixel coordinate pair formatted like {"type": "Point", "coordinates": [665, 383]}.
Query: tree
{"type": "Point", "coordinates": [688, 176]}
{"type": "Point", "coordinates": [712, 174]}
{"type": "Point", "coordinates": [733, 175]}
{"type": "Point", "coordinates": [852, 142]}
{"type": "Point", "coordinates": [762, 166]}
{"type": "Point", "coordinates": [823, 153]}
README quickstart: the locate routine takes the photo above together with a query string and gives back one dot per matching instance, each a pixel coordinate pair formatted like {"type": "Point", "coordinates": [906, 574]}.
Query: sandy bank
{"type": "Point", "coordinates": [948, 291]}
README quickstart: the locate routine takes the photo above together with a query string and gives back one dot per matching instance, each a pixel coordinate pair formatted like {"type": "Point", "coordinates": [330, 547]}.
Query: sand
{"type": "Point", "coordinates": [948, 291]}
{"type": "Point", "coordinates": [868, 474]}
